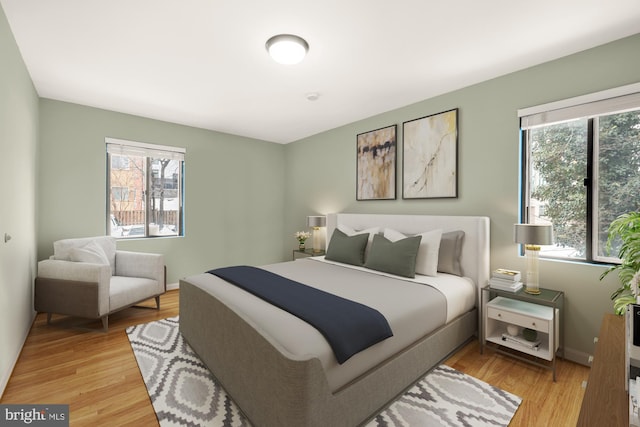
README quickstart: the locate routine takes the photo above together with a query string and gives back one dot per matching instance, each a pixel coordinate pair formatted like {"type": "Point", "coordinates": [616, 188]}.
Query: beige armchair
{"type": "Point", "coordinates": [89, 278]}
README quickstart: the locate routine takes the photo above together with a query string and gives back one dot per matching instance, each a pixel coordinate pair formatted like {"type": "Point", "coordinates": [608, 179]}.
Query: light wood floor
{"type": "Point", "coordinates": [97, 375]}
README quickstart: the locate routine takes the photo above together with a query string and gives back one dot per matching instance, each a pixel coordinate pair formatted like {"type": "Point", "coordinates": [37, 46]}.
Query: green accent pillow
{"type": "Point", "coordinates": [397, 257]}
{"type": "Point", "coordinates": [450, 251]}
{"type": "Point", "coordinates": [347, 249]}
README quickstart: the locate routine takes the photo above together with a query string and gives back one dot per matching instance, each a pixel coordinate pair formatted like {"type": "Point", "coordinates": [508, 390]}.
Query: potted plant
{"type": "Point", "coordinates": [626, 229]}
{"type": "Point", "coordinates": [302, 236]}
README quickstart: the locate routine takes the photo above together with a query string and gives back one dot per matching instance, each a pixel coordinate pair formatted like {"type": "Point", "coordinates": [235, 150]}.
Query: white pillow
{"type": "Point", "coordinates": [427, 259]}
{"type": "Point", "coordinates": [62, 248]}
{"type": "Point", "coordinates": [91, 252]}
{"type": "Point", "coordinates": [351, 232]}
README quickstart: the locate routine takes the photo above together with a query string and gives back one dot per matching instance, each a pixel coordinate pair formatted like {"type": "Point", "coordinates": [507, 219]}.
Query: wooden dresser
{"type": "Point", "coordinates": [606, 402]}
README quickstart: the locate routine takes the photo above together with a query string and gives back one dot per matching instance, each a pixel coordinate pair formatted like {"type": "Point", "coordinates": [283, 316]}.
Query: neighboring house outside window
{"type": "Point", "coordinates": [581, 169]}
{"type": "Point", "coordinates": [145, 189]}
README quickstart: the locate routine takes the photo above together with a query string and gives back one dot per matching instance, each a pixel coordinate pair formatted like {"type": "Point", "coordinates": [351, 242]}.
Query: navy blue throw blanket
{"type": "Point", "coordinates": [348, 326]}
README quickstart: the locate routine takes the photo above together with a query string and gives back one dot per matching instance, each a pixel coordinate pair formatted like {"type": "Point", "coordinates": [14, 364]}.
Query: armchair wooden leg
{"type": "Point", "coordinates": [105, 323]}
{"type": "Point", "coordinates": [158, 302]}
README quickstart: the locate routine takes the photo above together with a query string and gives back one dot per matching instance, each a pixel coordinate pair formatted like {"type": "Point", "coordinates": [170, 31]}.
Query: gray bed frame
{"type": "Point", "coordinates": [272, 387]}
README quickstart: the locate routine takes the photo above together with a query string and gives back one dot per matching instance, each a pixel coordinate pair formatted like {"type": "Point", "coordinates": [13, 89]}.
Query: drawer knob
{"type": "Point", "coordinates": [499, 315]}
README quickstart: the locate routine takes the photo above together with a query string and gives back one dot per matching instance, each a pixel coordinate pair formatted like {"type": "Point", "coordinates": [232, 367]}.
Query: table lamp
{"type": "Point", "coordinates": [316, 222]}
{"type": "Point", "coordinates": [532, 236]}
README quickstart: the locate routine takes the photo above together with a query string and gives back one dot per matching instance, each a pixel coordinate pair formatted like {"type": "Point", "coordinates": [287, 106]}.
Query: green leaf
{"type": "Point", "coordinates": [620, 304]}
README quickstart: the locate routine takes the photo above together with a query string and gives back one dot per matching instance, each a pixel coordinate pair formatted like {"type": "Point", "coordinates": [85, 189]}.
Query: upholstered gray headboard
{"type": "Point", "coordinates": [475, 257]}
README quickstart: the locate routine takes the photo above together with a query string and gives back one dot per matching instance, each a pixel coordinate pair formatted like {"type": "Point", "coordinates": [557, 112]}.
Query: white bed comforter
{"type": "Point", "coordinates": [460, 292]}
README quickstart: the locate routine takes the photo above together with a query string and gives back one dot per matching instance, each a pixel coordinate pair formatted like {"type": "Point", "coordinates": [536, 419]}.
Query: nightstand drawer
{"type": "Point", "coordinates": [540, 325]}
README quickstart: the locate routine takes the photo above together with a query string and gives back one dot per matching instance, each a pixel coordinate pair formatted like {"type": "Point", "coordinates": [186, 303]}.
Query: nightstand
{"type": "Point", "coordinates": [541, 313]}
{"type": "Point", "coordinates": [297, 253]}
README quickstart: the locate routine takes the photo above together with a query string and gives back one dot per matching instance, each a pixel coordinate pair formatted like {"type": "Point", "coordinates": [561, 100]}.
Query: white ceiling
{"type": "Point", "coordinates": [203, 63]}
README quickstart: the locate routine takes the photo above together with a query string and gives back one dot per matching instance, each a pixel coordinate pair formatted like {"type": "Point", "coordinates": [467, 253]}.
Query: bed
{"type": "Point", "coordinates": [281, 372]}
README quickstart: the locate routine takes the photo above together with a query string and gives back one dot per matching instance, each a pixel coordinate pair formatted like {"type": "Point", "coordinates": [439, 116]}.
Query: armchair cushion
{"type": "Point", "coordinates": [126, 290]}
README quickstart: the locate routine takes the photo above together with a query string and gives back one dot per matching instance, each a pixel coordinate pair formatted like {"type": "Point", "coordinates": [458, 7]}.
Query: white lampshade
{"type": "Point", "coordinates": [287, 49]}
{"type": "Point", "coordinates": [316, 221]}
{"type": "Point", "coordinates": [533, 234]}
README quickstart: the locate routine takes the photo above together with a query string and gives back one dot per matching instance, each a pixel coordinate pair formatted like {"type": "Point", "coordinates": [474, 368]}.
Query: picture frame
{"type": "Point", "coordinates": [430, 156]}
{"type": "Point", "coordinates": [376, 154]}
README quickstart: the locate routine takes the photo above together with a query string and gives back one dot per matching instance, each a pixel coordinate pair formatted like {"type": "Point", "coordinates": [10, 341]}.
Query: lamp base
{"type": "Point", "coordinates": [316, 240]}
{"type": "Point", "coordinates": [531, 285]}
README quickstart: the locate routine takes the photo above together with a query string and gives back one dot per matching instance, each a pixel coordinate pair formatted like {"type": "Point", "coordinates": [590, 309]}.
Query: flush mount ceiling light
{"type": "Point", "coordinates": [287, 48]}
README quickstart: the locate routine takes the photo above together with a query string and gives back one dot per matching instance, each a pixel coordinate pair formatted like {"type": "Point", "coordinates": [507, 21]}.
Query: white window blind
{"type": "Point", "coordinates": [122, 147]}
{"type": "Point", "coordinates": [612, 101]}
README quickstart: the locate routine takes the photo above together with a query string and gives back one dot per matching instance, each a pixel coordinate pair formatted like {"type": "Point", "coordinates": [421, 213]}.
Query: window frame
{"type": "Point", "coordinates": [590, 107]}
{"type": "Point", "coordinates": [147, 153]}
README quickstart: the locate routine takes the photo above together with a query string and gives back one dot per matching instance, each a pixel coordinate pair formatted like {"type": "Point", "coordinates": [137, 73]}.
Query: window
{"type": "Point", "coordinates": [119, 162]}
{"type": "Point", "coordinates": [145, 189]}
{"type": "Point", "coordinates": [120, 194]}
{"type": "Point", "coordinates": [581, 169]}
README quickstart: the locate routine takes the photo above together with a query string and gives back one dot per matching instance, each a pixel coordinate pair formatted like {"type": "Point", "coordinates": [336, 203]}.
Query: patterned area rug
{"type": "Point", "coordinates": [184, 393]}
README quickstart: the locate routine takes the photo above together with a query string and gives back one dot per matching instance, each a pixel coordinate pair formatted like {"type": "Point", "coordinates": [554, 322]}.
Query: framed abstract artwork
{"type": "Point", "coordinates": [376, 164]}
{"type": "Point", "coordinates": [430, 156]}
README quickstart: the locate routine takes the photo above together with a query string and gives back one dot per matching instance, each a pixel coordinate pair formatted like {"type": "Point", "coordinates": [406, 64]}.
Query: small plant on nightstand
{"type": "Point", "coordinates": [302, 236]}
{"type": "Point", "coordinates": [626, 229]}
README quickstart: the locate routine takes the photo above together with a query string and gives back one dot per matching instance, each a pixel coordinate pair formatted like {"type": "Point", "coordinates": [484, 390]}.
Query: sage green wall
{"type": "Point", "coordinates": [18, 141]}
{"type": "Point", "coordinates": [234, 197]}
{"type": "Point", "coordinates": [321, 174]}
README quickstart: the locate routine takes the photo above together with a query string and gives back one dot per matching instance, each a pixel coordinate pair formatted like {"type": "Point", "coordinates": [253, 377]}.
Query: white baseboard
{"type": "Point", "coordinates": [577, 356]}
{"type": "Point", "coordinates": [172, 286]}
{"type": "Point", "coordinates": [7, 375]}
